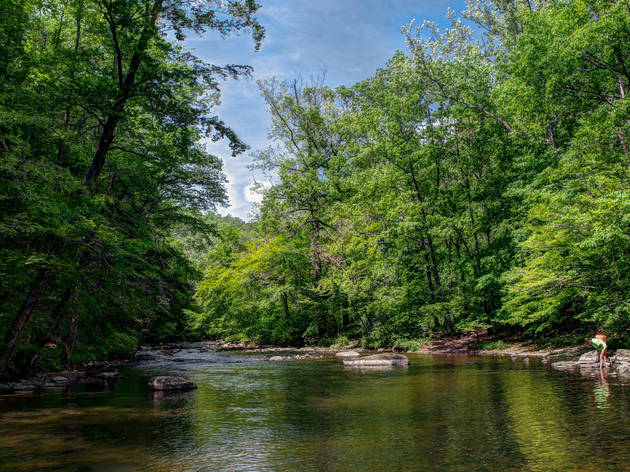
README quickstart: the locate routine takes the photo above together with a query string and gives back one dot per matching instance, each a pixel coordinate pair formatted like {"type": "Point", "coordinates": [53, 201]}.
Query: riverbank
{"type": "Point", "coordinates": [484, 344]}
{"type": "Point", "coordinates": [106, 374]}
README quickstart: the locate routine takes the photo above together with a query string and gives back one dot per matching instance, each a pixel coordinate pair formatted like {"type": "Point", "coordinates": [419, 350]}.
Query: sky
{"type": "Point", "coordinates": [349, 39]}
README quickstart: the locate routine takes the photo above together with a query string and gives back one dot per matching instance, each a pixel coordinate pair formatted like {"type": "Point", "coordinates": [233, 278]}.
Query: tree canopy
{"type": "Point", "coordinates": [478, 180]}
{"type": "Point", "coordinates": [103, 114]}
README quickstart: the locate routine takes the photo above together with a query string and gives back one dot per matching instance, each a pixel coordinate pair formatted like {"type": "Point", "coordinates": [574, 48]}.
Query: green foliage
{"type": "Point", "coordinates": [465, 185]}
{"type": "Point", "coordinates": [403, 344]}
{"type": "Point", "coordinates": [102, 120]}
{"type": "Point", "coordinates": [489, 345]}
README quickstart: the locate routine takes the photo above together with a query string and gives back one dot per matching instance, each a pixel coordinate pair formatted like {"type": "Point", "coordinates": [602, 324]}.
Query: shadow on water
{"type": "Point", "coordinates": [440, 414]}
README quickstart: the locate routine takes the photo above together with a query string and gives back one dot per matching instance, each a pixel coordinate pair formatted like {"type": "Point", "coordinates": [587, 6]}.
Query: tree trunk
{"type": "Point", "coordinates": [68, 346]}
{"type": "Point", "coordinates": [126, 88]}
{"type": "Point", "coordinates": [22, 319]}
{"type": "Point", "coordinates": [317, 275]}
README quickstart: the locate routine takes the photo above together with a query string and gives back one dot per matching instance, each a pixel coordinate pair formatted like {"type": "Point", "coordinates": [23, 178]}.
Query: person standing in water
{"type": "Point", "coordinates": [599, 343]}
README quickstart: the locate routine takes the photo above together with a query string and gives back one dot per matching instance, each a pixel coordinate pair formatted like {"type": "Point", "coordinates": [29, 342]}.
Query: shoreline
{"type": "Point", "coordinates": [106, 373]}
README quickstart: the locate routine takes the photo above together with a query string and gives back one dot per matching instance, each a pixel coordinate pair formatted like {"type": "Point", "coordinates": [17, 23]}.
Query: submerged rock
{"type": "Point", "coordinates": [347, 354]}
{"type": "Point", "coordinates": [171, 384]}
{"type": "Point", "coordinates": [378, 360]}
{"type": "Point", "coordinates": [565, 365]}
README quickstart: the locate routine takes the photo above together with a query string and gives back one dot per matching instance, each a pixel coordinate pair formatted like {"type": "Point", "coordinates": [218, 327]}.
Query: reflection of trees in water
{"type": "Point", "coordinates": [439, 415]}
{"type": "Point", "coordinates": [538, 419]}
{"type": "Point", "coordinates": [478, 424]}
{"type": "Point", "coordinates": [601, 391]}
{"type": "Point", "coordinates": [426, 418]}
{"type": "Point", "coordinates": [122, 428]}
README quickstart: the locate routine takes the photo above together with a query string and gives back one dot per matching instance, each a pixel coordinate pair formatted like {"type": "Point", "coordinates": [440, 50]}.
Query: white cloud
{"type": "Point", "coordinates": [253, 191]}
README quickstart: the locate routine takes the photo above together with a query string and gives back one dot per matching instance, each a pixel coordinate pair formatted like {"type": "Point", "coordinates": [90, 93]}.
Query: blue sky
{"type": "Point", "coordinates": [348, 38]}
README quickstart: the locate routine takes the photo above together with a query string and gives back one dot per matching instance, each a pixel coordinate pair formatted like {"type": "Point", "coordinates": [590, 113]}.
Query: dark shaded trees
{"type": "Point", "coordinates": [103, 114]}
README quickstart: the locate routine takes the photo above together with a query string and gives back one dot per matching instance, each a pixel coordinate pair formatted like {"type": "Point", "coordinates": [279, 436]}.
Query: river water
{"type": "Point", "coordinates": [248, 414]}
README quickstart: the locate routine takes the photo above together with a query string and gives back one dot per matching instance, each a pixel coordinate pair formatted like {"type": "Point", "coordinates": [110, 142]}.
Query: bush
{"type": "Point", "coordinates": [402, 344]}
{"type": "Point", "coordinates": [489, 345]}
{"type": "Point", "coordinates": [326, 342]}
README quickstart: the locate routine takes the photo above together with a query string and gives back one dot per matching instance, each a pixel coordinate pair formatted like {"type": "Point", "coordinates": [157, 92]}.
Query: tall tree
{"type": "Point", "coordinates": [103, 117]}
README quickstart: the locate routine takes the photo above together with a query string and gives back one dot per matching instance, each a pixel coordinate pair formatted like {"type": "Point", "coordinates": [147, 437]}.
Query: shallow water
{"type": "Point", "coordinates": [441, 414]}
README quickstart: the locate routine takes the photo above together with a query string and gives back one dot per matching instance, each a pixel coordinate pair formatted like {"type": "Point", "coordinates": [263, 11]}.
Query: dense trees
{"type": "Point", "coordinates": [102, 113]}
{"type": "Point", "coordinates": [480, 179]}
{"type": "Point", "coordinates": [472, 182]}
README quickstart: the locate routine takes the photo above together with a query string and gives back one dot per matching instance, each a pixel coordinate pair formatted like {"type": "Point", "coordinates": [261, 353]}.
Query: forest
{"type": "Point", "coordinates": [480, 180]}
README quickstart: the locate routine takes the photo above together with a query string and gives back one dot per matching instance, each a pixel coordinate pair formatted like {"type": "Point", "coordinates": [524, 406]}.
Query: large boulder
{"type": "Point", "coordinates": [171, 384]}
{"type": "Point", "coordinates": [589, 358]}
{"type": "Point", "coordinates": [378, 360]}
{"type": "Point", "coordinates": [622, 356]}
{"type": "Point", "coordinates": [621, 361]}
{"type": "Point", "coordinates": [345, 354]}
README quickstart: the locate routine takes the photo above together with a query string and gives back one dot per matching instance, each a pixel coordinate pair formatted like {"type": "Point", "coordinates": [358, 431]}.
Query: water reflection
{"type": "Point", "coordinates": [601, 391]}
{"type": "Point", "coordinates": [442, 414]}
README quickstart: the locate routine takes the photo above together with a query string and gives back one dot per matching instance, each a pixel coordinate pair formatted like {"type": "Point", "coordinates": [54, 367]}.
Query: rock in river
{"type": "Point", "coordinates": [347, 354]}
{"type": "Point", "coordinates": [378, 360]}
{"type": "Point", "coordinates": [171, 384]}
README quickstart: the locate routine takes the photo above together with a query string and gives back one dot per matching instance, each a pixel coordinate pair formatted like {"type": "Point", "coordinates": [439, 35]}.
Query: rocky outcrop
{"type": "Point", "coordinates": [588, 364]}
{"type": "Point", "coordinates": [621, 361]}
{"type": "Point", "coordinates": [378, 360]}
{"type": "Point", "coordinates": [171, 384]}
{"type": "Point", "coordinates": [64, 379]}
{"type": "Point", "coordinates": [236, 346]}
{"type": "Point", "coordinates": [346, 354]}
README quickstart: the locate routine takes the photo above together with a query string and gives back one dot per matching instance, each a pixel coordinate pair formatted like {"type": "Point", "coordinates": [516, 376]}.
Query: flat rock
{"type": "Point", "coordinates": [347, 354]}
{"type": "Point", "coordinates": [171, 384]}
{"type": "Point", "coordinates": [566, 365]}
{"type": "Point", "coordinates": [589, 358]}
{"type": "Point", "coordinates": [378, 360]}
{"type": "Point", "coordinates": [58, 379]}
{"type": "Point", "coordinates": [276, 358]}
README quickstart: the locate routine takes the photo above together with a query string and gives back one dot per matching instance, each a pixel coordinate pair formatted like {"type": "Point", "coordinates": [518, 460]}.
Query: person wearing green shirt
{"type": "Point", "coordinates": [599, 343]}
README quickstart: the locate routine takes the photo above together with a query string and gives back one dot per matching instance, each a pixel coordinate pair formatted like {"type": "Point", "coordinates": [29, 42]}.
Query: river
{"type": "Point", "coordinates": [248, 414]}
